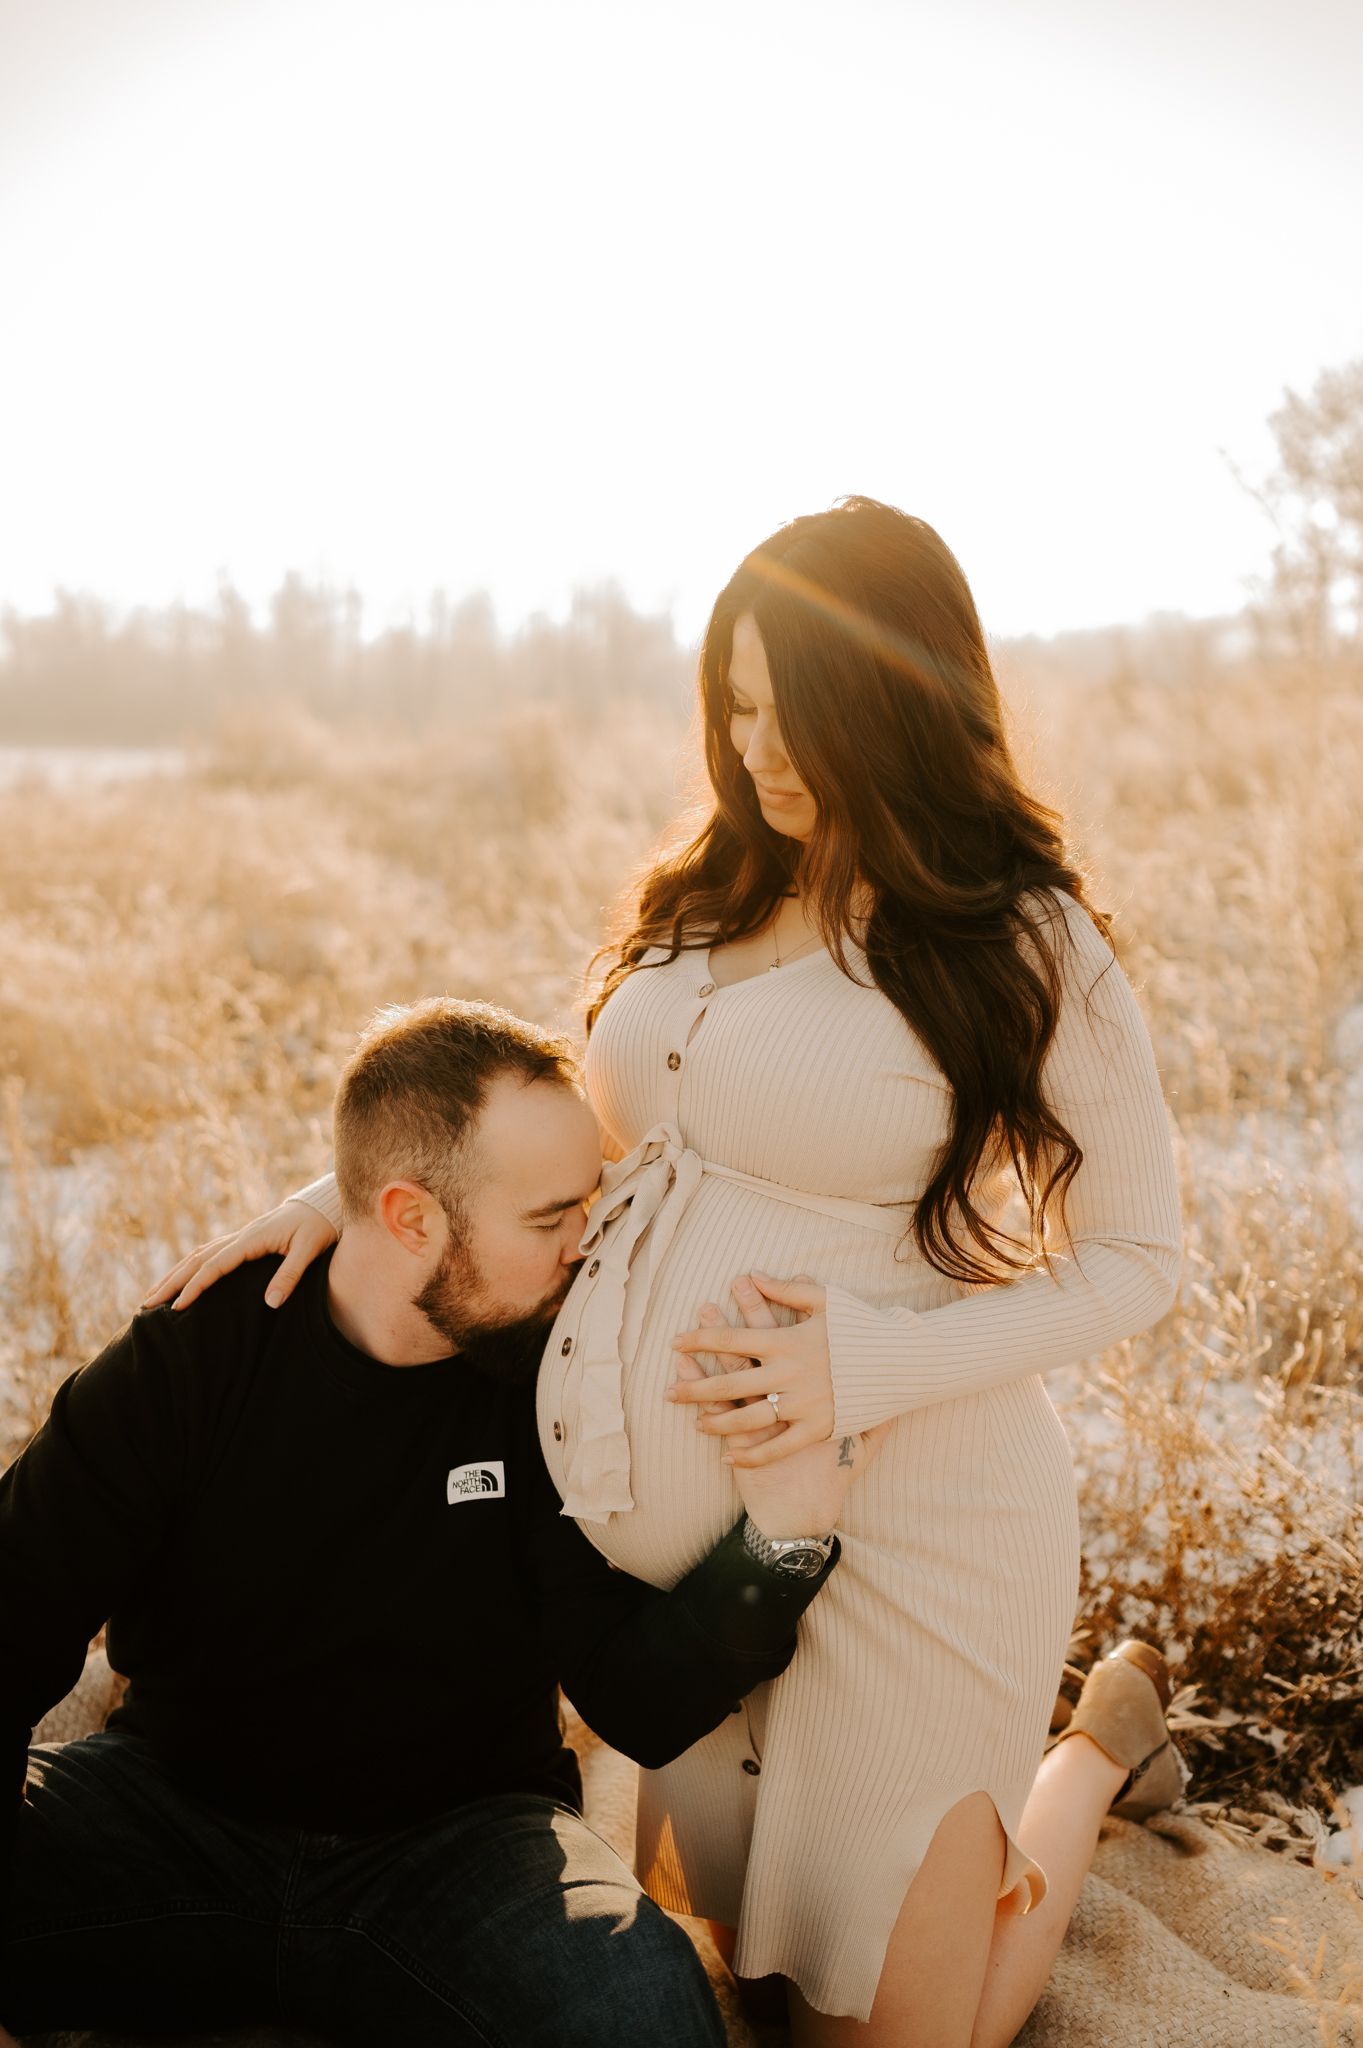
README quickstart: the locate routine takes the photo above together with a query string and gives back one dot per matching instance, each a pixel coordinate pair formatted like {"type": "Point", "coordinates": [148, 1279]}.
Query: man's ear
{"type": "Point", "coordinates": [412, 1216]}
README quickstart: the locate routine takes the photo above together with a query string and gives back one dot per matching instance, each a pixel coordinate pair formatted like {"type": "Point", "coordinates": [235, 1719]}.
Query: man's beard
{"type": "Point", "coordinates": [506, 1345]}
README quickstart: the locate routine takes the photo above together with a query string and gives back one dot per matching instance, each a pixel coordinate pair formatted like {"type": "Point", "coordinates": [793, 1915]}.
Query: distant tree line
{"type": "Point", "coordinates": [86, 674]}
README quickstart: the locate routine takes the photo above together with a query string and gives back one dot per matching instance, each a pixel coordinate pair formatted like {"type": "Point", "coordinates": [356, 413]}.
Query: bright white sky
{"type": "Point", "coordinates": [465, 292]}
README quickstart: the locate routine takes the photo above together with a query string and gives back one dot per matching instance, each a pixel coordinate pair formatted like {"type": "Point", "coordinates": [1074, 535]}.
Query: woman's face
{"type": "Point", "coordinates": [786, 804]}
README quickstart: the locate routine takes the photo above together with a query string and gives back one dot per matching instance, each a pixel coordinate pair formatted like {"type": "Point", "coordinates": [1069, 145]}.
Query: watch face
{"type": "Point", "coordinates": [801, 1564]}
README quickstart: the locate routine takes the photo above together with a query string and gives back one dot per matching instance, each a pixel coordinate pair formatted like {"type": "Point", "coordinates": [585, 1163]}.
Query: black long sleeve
{"type": "Point", "coordinates": [652, 1672]}
{"type": "Point", "coordinates": [323, 1620]}
{"type": "Point", "coordinates": [83, 1512]}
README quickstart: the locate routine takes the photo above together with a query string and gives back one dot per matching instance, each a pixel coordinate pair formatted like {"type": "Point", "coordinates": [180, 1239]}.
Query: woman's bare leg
{"type": "Point", "coordinates": [1072, 1791]}
{"type": "Point", "coordinates": [933, 1976]}
{"type": "Point", "coordinates": [987, 1968]}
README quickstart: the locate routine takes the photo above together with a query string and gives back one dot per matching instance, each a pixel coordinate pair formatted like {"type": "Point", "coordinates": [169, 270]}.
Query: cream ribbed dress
{"type": "Point", "coordinates": [776, 1123]}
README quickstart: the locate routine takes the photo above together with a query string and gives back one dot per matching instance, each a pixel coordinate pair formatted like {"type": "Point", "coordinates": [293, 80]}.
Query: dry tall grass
{"type": "Point", "coordinates": [186, 961]}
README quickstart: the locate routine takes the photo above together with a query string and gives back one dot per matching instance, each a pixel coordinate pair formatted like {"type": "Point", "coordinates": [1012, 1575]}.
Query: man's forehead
{"type": "Point", "coordinates": [537, 1135]}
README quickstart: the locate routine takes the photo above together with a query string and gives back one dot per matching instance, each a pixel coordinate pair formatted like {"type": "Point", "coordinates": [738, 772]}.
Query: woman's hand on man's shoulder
{"type": "Point", "coordinates": [295, 1229]}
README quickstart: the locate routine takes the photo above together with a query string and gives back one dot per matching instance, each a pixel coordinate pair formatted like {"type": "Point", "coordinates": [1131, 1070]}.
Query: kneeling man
{"type": "Point", "coordinates": [336, 1574]}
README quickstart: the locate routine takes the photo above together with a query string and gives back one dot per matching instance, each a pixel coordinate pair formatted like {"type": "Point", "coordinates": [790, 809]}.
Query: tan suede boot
{"type": "Point", "coordinates": [1121, 1708]}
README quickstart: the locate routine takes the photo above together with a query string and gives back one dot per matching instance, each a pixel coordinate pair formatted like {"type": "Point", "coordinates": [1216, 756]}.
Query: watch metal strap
{"type": "Point", "coordinates": [803, 1552]}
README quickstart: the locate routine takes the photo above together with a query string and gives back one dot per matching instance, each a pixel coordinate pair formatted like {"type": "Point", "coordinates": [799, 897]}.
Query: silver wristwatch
{"type": "Point", "coordinates": [799, 1557]}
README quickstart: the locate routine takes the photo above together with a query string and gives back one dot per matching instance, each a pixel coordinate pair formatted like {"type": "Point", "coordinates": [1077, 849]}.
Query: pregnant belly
{"type": "Point", "coordinates": [684, 1499]}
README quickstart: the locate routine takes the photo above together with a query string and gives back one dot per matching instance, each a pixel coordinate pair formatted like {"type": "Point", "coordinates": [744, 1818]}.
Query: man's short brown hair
{"type": "Point", "coordinates": [410, 1095]}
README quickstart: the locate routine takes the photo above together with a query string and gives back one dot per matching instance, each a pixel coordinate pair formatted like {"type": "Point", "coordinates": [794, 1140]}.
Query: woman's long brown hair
{"type": "Point", "coordinates": [890, 712]}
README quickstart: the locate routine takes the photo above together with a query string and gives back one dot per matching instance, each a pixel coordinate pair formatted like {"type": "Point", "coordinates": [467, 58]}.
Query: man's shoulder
{"type": "Point", "coordinates": [232, 1307]}
{"type": "Point", "coordinates": [226, 1324]}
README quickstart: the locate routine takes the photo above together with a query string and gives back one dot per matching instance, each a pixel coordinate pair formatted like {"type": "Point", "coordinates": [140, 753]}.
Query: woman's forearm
{"type": "Point", "coordinates": [322, 1195]}
{"type": "Point", "coordinates": [888, 1361]}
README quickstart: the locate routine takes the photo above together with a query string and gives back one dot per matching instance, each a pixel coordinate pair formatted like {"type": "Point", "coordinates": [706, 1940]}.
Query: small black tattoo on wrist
{"type": "Point", "coordinates": [845, 1451]}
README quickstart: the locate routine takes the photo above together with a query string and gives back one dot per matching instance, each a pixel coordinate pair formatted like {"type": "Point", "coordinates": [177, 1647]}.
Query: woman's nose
{"type": "Point", "coordinates": [764, 748]}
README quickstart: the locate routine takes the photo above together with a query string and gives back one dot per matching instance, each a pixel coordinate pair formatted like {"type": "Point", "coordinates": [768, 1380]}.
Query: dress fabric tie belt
{"type": "Point", "coordinates": [647, 1193]}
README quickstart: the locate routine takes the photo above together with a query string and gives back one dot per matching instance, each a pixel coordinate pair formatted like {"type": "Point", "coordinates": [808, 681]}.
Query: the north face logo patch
{"type": "Point", "coordinates": [484, 1481]}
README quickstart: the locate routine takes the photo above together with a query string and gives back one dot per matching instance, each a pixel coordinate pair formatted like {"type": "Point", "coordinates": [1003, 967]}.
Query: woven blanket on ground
{"type": "Point", "coordinates": [86, 1706]}
{"type": "Point", "coordinates": [1183, 1938]}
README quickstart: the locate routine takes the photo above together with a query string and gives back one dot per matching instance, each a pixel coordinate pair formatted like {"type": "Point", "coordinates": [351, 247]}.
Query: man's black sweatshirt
{"type": "Point", "coordinates": [343, 1592]}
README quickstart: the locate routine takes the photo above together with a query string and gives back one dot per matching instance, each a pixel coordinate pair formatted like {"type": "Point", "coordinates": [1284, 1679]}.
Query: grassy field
{"type": "Point", "coordinates": [187, 959]}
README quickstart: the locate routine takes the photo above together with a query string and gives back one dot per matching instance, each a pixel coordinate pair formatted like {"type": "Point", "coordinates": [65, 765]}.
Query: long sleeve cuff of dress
{"type": "Point", "coordinates": [323, 1195]}
{"type": "Point", "coordinates": [887, 1361]}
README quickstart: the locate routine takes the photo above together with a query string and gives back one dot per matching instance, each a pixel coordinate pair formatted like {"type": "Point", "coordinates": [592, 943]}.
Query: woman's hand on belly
{"type": "Point", "coordinates": [791, 1362]}
{"type": "Point", "coordinates": [801, 1494]}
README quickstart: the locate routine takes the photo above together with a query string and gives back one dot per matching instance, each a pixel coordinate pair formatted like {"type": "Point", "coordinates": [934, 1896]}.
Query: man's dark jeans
{"type": "Point", "coordinates": [134, 1907]}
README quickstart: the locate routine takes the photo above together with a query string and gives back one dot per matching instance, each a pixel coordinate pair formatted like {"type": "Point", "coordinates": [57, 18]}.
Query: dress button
{"type": "Point", "coordinates": [566, 1346]}
{"type": "Point", "coordinates": [707, 988]}
{"type": "Point", "coordinates": [674, 1060]}
{"type": "Point", "coordinates": [593, 1269]}
{"type": "Point", "coordinates": [752, 1767]}
{"type": "Point", "coordinates": [558, 1432]}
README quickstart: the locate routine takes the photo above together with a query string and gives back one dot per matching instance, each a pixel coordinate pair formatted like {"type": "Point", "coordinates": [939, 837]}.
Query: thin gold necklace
{"type": "Point", "coordinates": [776, 943]}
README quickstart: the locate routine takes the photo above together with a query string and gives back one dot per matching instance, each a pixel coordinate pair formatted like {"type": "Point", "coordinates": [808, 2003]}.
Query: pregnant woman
{"type": "Point", "coordinates": [861, 1007]}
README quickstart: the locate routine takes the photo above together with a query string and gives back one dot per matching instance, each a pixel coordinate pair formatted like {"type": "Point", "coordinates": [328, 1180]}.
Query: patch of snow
{"type": "Point", "coordinates": [86, 767]}
{"type": "Point", "coordinates": [1348, 1051]}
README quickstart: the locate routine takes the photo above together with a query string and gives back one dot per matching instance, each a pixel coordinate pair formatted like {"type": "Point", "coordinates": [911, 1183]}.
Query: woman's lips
{"type": "Point", "coordinates": [777, 796]}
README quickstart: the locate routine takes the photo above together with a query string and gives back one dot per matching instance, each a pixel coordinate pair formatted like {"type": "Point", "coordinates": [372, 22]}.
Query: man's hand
{"type": "Point", "coordinates": [801, 1493]}
{"type": "Point", "coordinates": [791, 1362]}
{"type": "Point", "coordinates": [294, 1228]}
{"type": "Point", "coordinates": [7, 2040]}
